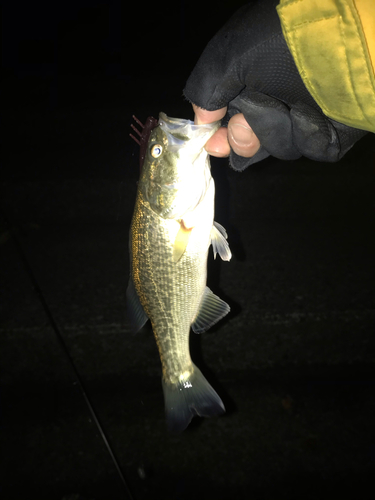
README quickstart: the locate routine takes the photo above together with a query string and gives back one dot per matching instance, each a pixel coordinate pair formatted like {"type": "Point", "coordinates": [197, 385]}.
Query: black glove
{"type": "Point", "coordinates": [247, 66]}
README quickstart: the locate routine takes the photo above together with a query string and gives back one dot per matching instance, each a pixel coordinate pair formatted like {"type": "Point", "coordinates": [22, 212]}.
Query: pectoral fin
{"type": "Point", "coordinates": [136, 313]}
{"type": "Point", "coordinates": [219, 242]}
{"type": "Point", "coordinates": [181, 241]}
{"type": "Point", "coordinates": [212, 309]}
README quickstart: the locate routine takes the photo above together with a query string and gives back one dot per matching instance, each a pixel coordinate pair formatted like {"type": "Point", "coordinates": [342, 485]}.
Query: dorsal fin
{"type": "Point", "coordinates": [144, 135]}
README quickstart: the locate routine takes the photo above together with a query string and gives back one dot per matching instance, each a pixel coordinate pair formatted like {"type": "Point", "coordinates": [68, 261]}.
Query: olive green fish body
{"type": "Point", "coordinates": [169, 266]}
{"type": "Point", "coordinates": [170, 292]}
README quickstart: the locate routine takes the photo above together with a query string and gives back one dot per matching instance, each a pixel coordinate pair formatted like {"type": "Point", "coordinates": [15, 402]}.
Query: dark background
{"type": "Point", "coordinates": [294, 360]}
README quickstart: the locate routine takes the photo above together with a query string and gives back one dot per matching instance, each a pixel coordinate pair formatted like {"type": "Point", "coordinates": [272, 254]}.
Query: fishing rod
{"type": "Point", "coordinates": [63, 346]}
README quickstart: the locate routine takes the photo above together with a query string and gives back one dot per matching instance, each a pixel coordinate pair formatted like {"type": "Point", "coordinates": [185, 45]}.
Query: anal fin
{"type": "Point", "coordinates": [211, 310]}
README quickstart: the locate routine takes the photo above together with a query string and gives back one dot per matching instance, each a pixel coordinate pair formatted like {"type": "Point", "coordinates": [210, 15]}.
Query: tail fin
{"type": "Point", "coordinates": [190, 397]}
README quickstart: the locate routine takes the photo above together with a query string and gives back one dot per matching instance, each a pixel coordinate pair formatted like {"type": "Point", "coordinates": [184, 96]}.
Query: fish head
{"type": "Point", "coordinates": [176, 170]}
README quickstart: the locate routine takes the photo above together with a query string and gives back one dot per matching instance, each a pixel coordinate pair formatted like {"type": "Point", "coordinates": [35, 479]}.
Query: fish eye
{"type": "Point", "coordinates": [156, 150]}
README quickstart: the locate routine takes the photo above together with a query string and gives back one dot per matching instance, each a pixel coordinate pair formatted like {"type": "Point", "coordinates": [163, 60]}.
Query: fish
{"type": "Point", "coordinates": [171, 231]}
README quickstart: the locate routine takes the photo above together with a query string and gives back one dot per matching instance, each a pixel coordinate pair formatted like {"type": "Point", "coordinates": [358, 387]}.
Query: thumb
{"type": "Point", "coordinates": [203, 116]}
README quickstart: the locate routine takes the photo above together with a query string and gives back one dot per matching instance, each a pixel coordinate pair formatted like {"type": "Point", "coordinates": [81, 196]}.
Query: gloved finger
{"type": "Point", "coordinates": [271, 123]}
{"type": "Point", "coordinates": [348, 136]}
{"type": "Point", "coordinates": [239, 163]}
{"type": "Point", "coordinates": [270, 120]}
{"type": "Point", "coordinates": [205, 116]}
{"type": "Point", "coordinates": [215, 80]}
{"type": "Point", "coordinates": [320, 138]}
{"type": "Point", "coordinates": [249, 48]}
{"type": "Point", "coordinates": [313, 134]}
{"type": "Point", "coordinates": [241, 137]}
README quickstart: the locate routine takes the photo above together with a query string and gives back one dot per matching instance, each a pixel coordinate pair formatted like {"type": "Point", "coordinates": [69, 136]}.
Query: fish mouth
{"type": "Point", "coordinates": [180, 132]}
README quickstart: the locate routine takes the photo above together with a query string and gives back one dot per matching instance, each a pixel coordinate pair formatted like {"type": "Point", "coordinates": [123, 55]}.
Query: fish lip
{"type": "Point", "coordinates": [176, 127]}
{"type": "Point", "coordinates": [172, 123]}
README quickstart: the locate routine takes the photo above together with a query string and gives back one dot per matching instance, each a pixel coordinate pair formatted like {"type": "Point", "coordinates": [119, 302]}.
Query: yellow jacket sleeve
{"type": "Point", "coordinates": [333, 46]}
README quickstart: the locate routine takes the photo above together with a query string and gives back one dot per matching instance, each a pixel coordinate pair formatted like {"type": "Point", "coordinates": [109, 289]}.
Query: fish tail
{"type": "Point", "coordinates": [190, 397]}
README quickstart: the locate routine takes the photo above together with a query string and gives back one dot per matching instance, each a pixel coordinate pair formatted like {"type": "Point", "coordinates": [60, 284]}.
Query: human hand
{"type": "Point", "coordinates": [248, 74]}
{"type": "Point", "coordinates": [238, 136]}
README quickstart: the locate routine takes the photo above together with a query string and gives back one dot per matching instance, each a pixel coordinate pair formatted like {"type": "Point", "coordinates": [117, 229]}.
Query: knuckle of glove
{"type": "Point", "coordinates": [271, 123]}
{"type": "Point", "coordinates": [289, 134]}
{"type": "Point", "coordinates": [229, 59]}
{"type": "Point", "coordinates": [314, 135]}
